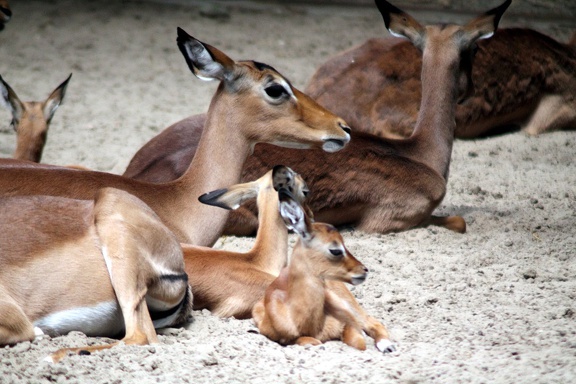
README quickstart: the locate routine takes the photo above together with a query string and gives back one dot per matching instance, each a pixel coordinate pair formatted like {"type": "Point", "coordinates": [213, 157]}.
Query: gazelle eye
{"type": "Point", "coordinates": [276, 91]}
{"type": "Point", "coordinates": [336, 252]}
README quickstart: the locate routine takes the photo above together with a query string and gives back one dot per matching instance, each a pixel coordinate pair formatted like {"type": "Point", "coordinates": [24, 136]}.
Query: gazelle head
{"type": "Point", "coordinates": [278, 113]}
{"type": "Point", "coordinates": [321, 247]}
{"type": "Point", "coordinates": [5, 13]}
{"type": "Point", "coordinates": [278, 177]}
{"type": "Point", "coordinates": [31, 119]}
{"type": "Point", "coordinates": [447, 42]}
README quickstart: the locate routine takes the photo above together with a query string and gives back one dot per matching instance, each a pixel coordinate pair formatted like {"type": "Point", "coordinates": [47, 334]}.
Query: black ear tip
{"type": "Point", "coordinates": [182, 35]}
{"type": "Point", "coordinates": [211, 198]}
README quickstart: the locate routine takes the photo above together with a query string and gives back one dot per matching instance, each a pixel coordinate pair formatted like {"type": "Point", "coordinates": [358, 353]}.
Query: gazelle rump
{"type": "Point", "coordinates": [5, 13]}
{"type": "Point", "coordinates": [378, 184]}
{"type": "Point", "coordinates": [103, 267]}
{"type": "Point", "coordinates": [252, 104]}
{"type": "Point", "coordinates": [533, 90]}
{"type": "Point", "coordinates": [229, 283]}
{"type": "Point", "coordinates": [31, 119]}
{"type": "Point", "coordinates": [308, 302]}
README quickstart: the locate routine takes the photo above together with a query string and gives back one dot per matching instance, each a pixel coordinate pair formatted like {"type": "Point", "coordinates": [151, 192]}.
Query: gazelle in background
{"type": "Point", "coordinates": [31, 119]}
{"type": "Point", "coordinates": [253, 104]}
{"type": "Point", "coordinates": [102, 267]}
{"type": "Point", "coordinates": [534, 90]}
{"type": "Point", "coordinates": [230, 283]}
{"type": "Point", "coordinates": [379, 185]}
{"type": "Point", "coordinates": [5, 13]}
{"type": "Point", "coordinates": [300, 306]}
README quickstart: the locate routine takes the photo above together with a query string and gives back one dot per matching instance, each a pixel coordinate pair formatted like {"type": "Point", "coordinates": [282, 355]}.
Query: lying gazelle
{"type": "Point", "coordinates": [300, 306]}
{"type": "Point", "coordinates": [253, 104]}
{"type": "Point", "coordinates": [534, 91]}
{"type": "Point", "coordinates": [103, 267]}
{"type": "Point", "coordinates": [229, 284]}
{"type": "Point", "coordinates": [5, 13]}
{"type": "Point", "coordinates": [379, 185]}
{"type": "Point", "coordinates": [31, 119]}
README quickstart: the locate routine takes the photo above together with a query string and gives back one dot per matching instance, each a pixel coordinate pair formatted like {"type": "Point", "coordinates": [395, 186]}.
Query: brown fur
{"type": "Point", "coordinates": [55, 256]}
{"type": "Point", "coordinates": [31, 119]}
{"type": "Point", "coordinates": [512, 72]}
{"type": "Point", "coordinates": [380, 185]}
{"type": "Point", "coordinates": [240, 115]}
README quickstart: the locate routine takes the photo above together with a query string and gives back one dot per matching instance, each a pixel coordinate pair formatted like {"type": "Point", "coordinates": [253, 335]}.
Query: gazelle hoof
{"type": "Point", "coordinates": [385, 346]}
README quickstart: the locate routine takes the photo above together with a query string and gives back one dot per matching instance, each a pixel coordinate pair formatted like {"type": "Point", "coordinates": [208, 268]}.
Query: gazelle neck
{"type": "Point", "coordinates": [270, 251]}
{"type": "Point", "coordinates": [433, 134]}
{"type": "Point", "coordinates": [217, 163]}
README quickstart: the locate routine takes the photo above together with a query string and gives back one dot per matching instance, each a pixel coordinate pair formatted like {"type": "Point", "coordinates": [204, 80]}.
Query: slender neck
{"type": "Point", "coordinates": [218, 163]}
{"type": "Point", "coordinates": [433, 134]}
{"type": "Point", "coordinates": [270, 251]}
{"type": "Point", "coordinates": [30, 148]}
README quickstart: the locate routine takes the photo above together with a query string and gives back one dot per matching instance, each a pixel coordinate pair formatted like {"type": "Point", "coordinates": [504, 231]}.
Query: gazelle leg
{"type": "Point", "coordinates": [453, 223]}
{"type": "Point", "coordinates": [553, 112]}
{"type": "Point", "coordinates": [307, 340]}
{"type": "Point", "coordinates": [14, 324]}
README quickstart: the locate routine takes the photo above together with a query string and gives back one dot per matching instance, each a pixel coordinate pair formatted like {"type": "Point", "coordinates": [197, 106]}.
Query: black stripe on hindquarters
{"type": "Point", "coordinates": [157, 315]}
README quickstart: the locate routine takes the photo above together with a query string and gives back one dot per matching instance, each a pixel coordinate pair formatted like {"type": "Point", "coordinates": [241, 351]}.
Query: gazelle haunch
{"type": "Point", "coordinates": [252, 104]}
{"type": "Point", "coordinates": [31, 119]}
{"type": "Point", "coordinates": [102, 267]}
{"type": "Point", "coordinates": [533, 90]}
{"type": "Point", "coordinates": [229, 283]}
{"type": "Point", "coordinates": [377, 184]}
{"type": "Point", "coordinates": [300, 306]}
{"type": "Point", "coordinates": [5, 13]}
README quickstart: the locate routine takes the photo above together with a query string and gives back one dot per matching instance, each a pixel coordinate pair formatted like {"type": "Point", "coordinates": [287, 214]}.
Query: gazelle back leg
{"type": "Point", "coordinates": [14, 324]}
{"type": "Point", "coordinates": [553, 112]}
{"type": "Point", "coordinates": [143, 259]}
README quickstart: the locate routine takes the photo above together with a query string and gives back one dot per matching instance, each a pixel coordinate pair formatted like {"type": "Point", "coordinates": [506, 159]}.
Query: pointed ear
{"type": "Point", "coordinates": [485, 25]}
{"type": "Point", "coordinates": [283, 177]}
{"type": "Point", "coordinates": [55, 99]}
{"type": "Point", "coordinates": [401, 24]}
{"type": "Point", "coordinates": [293, 214]}
{"type": "Point", "coordinates": [11, 101]}
{"type": "Point", "coordinates": [232, 197]}
{"type": "Point", "coordinates": [205, 61]}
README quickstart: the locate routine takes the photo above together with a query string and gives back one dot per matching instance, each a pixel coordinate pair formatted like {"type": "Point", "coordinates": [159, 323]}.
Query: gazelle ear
{"type": "Point", "coordinates": [205, 61]}
{"type": "Point", "coordinates": [283, 177]}
{"type": "Point", "coordinates": [485, 25]}
{"type": "Point", "coordinates": [11, 101]}
{"type": "Point", "coordinates": [401, 24]}
{"type": "Point", "coordinates": [231, 197]}
{"type": "Point", "coordinates": [55, 99]}
{"type": "Point", "coordinates": [293, 214]}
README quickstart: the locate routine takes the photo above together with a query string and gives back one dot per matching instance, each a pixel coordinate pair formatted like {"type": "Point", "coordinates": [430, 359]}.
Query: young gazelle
{"type": "Point", "coordinates": [377, 184]}
{"type": "Point", "coordinates": [31, 119]}
{"type": "Point", "coordinates": [242, 278]}
{"type": "Point", "coordinates": [308, 302]}
{"type": "Point", "coordinates": [253, 104]}
{"type": "Point", "coordinates": [102, 267]}
{"type": "Point", "coordinates": [5, 13]}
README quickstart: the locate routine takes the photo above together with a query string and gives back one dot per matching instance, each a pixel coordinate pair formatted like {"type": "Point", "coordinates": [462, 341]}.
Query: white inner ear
{"type": "Point", "coordinates": [396, 34]}
{"type": "Point", "coordinates": [486, 36]}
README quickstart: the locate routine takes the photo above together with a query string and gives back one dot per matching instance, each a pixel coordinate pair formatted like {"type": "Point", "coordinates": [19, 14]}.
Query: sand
{"type": "Point", "coordinates": [496, 304]}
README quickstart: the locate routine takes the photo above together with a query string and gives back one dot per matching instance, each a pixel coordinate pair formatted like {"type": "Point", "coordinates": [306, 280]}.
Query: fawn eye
{"type": "Point", "coordinates": [336, 252]}
{"type": "Point", "coordinates": [276, 91]}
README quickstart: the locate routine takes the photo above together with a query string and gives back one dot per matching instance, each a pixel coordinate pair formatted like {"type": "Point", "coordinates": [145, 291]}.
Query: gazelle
{"type": "Point", "coordinates": [102, 267]}
{"type": "Point", "coordinates": [31, 119]}
{"type": "Point", "coordinates": [229, 283]}
{"type": "Point", "coordinates": [300, 306]}
{"type": "Point", "coordinates": [5, 13]}
{"type": "Point", "coordinates": [253, 104]}
{"type": "Point", "coordinates": [378, 184]}
{"type": "Point", "coordinates": [533, 90]}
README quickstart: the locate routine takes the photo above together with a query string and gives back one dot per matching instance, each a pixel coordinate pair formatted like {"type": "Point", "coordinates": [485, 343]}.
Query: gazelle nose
{"type": "Point", "coordinates": [345, 128]}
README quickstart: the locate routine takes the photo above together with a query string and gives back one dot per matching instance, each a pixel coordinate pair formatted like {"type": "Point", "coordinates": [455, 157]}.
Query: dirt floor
{"type": "Point", "coordinates": [496, 304]}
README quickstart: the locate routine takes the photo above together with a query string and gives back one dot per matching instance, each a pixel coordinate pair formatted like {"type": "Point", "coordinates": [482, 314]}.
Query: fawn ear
{"type": "Point", "coordinates": [484, 26]}
{"type": "Point", "coordinates": [231, 197]}
{"type": "Point", "coordinates": [293, 214]}
{"type": "Point", "coordinates": [11, 101]}
{"type": "Point", "coordinates": [401, 24]}
{"type": "Point", "coordinates": [205, 61]}
{"type": "Point", "coordinates": [283, 177]}
{"type": "Point", "coordinates": [55, 99]}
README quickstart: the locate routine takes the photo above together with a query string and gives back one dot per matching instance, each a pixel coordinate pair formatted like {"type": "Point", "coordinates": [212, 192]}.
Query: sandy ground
{"type": "Point", "coordinates": [494, 305]}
